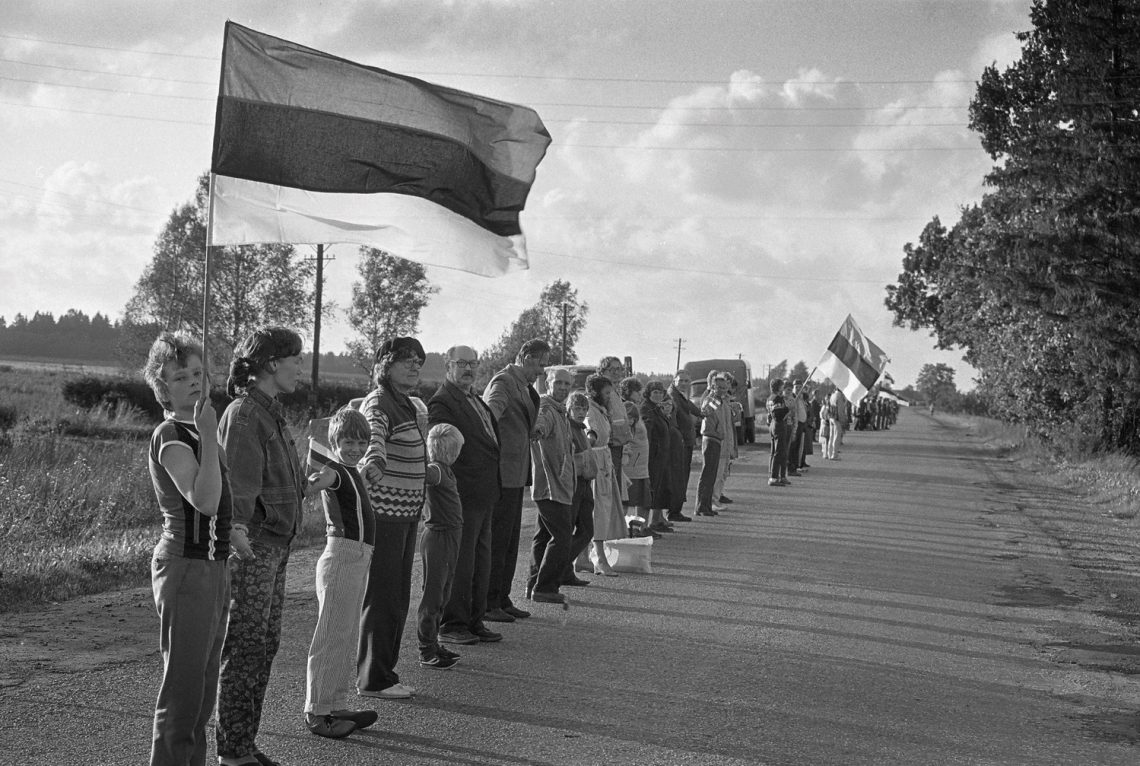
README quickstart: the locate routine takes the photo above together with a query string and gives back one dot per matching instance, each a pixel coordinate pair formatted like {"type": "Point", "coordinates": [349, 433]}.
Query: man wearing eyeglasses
{"type": "Point", "coordinates": [514, 402]}
{"type": "Point", "coordinates": [477, 479]}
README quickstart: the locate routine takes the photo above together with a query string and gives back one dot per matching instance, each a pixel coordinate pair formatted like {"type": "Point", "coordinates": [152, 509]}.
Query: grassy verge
{"type": "Point", "coordinates": [79, 516]}
{"type": "Point", "coordinates": [1110, 481]}
{"type": "Point", "coordinates": [77, 510]}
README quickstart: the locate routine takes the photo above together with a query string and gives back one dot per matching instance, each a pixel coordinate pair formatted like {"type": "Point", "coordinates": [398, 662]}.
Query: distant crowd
{"type": "Point", "coordinates": [446, 478]}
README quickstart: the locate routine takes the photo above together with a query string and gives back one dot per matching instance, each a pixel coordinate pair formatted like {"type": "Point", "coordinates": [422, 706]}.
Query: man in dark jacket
{"type": "Point", "coordinates": [477, 479]}
{"type": "Point", "coordinates": [687, 415]}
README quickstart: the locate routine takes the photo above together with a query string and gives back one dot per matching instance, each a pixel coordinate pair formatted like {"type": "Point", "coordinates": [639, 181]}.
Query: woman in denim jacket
{"type": "Point", "coordinates": [268, 486]}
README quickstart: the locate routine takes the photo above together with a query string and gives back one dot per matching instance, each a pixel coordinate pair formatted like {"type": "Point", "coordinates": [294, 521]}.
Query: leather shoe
{"type": "Point", "coordinates": [393, 692]}
{"type": "Point", "coordinates": [498, 615]}
{"type": "Point", "coordinates": [458, 637]}
{"type": "Point", "coordinates": [679, 517]}
{"type": "Point", "coordinates": [362, 718]}
{"type": "Point", "coordinates": [709, 512]}
{"type": "Point", "coordinates": [328, 726]}
{"type": "Point", "coordinates": [545, 597]}
{"type": "Point", "coordinates": [576, 581]}
{"type": "Point", "coordinates": [485, 634]}
{"type": "Point", "coordinates": [514, 611]}
{"type": "Point", "coordinates": [725, 500]}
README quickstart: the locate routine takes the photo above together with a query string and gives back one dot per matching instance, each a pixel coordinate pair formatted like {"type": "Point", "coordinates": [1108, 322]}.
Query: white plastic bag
{"type": "Point", "coordinates": [633, 554]}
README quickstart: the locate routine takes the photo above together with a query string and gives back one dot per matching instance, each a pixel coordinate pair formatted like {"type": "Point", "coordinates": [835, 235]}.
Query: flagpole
{"type": "Point", "coordinates": [206, 293]}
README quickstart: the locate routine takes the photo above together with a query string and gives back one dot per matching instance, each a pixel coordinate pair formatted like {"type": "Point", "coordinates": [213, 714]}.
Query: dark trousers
{"type": "Point", "coordinates": [681, 481]}
{"type": "Point", "coordinates": [386, 602]}
{"type": "Point", "coordinates": [439, 549]}
{"type": "Point", "coordinates": [778, 462]}
{"type": "Point", "coordinates": [582, 515]}
{"type": "Point", "coordinates": [796, 446]}
{"type": "Point", "coordinates": [710, 452]}
{"type": "Point", "coordinates": [550, 551]}
{"type": "Point", "coordinates": [192, 598]}
{"type": "Point", "coordinates": [506, 523]}
{"type": "Point", "coordinates": [468, 602]}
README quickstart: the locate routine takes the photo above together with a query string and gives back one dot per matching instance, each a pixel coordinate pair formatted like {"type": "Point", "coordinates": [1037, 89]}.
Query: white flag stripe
{"type": "Point", "coordinates": [248, 212]}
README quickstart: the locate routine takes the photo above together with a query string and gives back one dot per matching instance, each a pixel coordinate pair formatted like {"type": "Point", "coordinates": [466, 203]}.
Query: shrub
{"type": "Point", "coordinates": [8, 417]}
{"type": "Point", "coordinates": [115, 394]}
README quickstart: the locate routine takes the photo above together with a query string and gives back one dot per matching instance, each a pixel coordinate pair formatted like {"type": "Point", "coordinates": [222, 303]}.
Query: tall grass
{"type": "Point", "coordinates": [77, 511]}
{"type": "Point", "coordinates": [73, 513]}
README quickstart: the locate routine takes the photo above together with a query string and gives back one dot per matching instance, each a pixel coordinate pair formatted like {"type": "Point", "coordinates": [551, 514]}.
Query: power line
{"type": "Point", "coordinates": [737, 274]}
{"type": "Point", "coordinates": [591, 121]}
{"type": "Point", "coordinates": [521, 76]}
{"type": "Point", "coordinates": [106, 48]}
{"type": "Point", "coordinates": [80, 197]}
{"type": "Point", "coordinates": [106, 90]}
{"type": "Point", "coordinates": [107, 114]}
{"type": "Point", "coordinates": [110, 73]}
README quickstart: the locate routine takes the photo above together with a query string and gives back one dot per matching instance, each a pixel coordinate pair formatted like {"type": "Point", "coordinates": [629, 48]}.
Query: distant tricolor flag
{"type": "Point", "coordinates": [852, 361]}
{"type": "Point", "coordinates": [311, 148]}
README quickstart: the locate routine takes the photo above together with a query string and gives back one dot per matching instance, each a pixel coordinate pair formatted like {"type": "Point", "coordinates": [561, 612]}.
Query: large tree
{"type": "Point", "coordinates": [251, 286]}
{"type": "Point", "coordinates": [542, 320]}
{"type": "Point", "coordinates": [936, 383]}
{"type": "Point", "coordinates": [386, 303]}
{"type": "Point", "coordinates": [1039, 283]}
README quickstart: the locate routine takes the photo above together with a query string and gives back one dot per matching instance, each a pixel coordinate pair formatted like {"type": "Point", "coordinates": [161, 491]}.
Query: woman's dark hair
{"type": "Point", "coordinates": [391, 353]}
{"type": "Point", "coordinates": [257, 350]}
{"type": "Point", "coordinates": [628, 387]}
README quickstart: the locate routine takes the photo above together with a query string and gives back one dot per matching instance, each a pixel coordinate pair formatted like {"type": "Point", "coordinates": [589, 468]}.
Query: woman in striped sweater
{"type": "Point", "coordinates": [393, 467]}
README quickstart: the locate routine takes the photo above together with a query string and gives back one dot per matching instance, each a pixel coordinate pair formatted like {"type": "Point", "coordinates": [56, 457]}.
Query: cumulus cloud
{"type": "Point", "coordinates": [80, 196]}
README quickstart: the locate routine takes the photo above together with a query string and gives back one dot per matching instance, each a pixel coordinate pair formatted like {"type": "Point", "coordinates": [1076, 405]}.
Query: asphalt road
{"type": "Point", "coordinates": [900, 606]}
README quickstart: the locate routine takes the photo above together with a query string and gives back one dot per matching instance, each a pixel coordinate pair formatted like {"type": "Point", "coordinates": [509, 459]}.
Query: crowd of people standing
{"type": "Point", "coordinates": [604, 463]}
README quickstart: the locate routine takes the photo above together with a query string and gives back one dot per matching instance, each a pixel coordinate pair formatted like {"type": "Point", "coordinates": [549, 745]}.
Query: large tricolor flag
{"type": "Point", "coordinates": [311, 148]}
{"type": "Point", "coordinates": [852, 361]}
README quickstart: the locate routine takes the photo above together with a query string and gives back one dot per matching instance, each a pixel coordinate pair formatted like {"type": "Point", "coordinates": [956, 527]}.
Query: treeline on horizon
{"type": "Point", "coordinates": [77, 337]}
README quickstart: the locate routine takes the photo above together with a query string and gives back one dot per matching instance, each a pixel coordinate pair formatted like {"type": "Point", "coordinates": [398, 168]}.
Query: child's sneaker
{"type": "Point", "coordinates": [437, 661]}
{"type": "Point", "coordinates": [443, 651]}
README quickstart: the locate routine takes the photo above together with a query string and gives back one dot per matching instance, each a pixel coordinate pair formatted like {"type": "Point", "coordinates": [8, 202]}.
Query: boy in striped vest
{"type": "Point", "coordinates": [342, 574]}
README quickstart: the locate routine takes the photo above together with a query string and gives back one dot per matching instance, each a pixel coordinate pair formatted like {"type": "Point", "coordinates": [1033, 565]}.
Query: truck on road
{"type": "Point", "coordinates": [741, 370]}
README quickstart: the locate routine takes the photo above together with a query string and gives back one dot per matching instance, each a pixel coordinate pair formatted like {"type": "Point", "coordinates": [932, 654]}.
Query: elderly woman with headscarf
{"type": "Point", "coordinates": [394, 468]}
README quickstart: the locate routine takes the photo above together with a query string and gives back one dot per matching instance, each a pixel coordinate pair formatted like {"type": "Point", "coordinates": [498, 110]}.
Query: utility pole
{"type": "Point", "coordinates": [679, 342]}
{"type": "Point", "coordinates": [313, 389]}
{"type": "Point", "coordinates": [565, 307]}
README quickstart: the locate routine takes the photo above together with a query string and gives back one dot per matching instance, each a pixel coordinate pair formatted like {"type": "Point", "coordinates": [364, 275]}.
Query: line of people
{"type": "Point", "coordinates": [231, 492]}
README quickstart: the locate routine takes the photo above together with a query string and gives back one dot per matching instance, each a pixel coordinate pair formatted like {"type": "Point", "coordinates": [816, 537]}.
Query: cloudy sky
{"type": "Point", "coordinates": [740, 175]}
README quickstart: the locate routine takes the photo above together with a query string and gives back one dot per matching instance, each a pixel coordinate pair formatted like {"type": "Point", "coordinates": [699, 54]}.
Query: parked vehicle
{"type": "Point", "coordinates": [742, 371]}
{"type": "Point", "coordinates": [579, 371]}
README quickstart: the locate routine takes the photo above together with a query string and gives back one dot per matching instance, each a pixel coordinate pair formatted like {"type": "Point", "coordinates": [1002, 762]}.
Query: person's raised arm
{"type": "Point", "coordinates": [198, 479]}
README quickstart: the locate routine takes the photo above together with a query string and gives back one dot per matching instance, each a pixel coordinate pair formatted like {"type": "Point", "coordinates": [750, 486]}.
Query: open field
{"type": "Point", "coordinates": [77, 513]}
